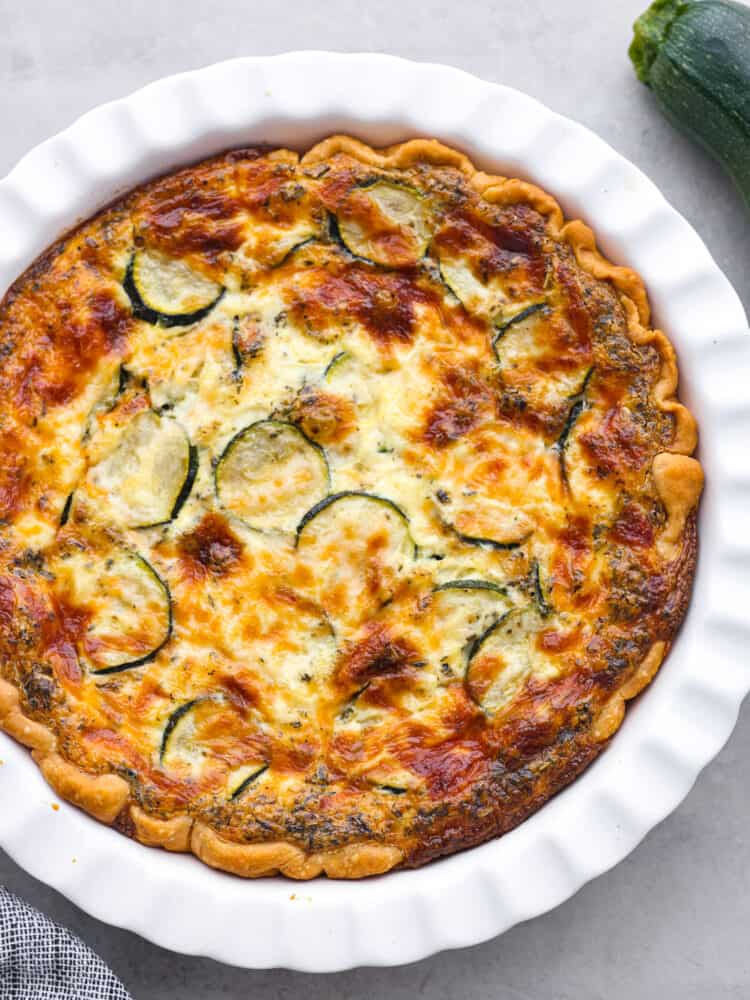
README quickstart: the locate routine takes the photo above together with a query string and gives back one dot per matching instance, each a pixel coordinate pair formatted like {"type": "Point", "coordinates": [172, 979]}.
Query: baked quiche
{"type": "Point", "coordinates": [345, 499]}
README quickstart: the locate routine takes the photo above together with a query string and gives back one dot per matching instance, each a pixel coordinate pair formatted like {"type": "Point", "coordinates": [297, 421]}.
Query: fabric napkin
{"type": "Point", "coordinates": [40, 960]}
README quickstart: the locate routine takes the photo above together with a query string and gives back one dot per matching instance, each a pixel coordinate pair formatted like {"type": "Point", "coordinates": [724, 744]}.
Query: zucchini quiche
{"type": "Point", "coordinates": [345, 499]}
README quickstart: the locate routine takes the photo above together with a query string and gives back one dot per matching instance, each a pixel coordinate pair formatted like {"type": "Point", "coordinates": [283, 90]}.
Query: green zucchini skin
{"type": "Point", "coordinates": [503, 327]}
{"type": "Point", "coordinates": [132, 664]}
{"type": "Point", "coordinates": [187, 486]}
{"type": "Point", "coordinates": [470, 585]}
{"type": "Point", "coordinates": [332, 498]}
{"type": "Point", "coordinates": [239, 354]}
{"type": "Point", "coordinates": [545, 608]}
{"type": "Point", "coordinates": [695, 57]}
{"type": "Point", "coordinates": [174, 718]}
{"type": "Point", "coordinates": [119, 668]}
{"type": "Point", "coordinates": [577, 407]}
{"type": "Point", "coordinates": [293, 250]}
{"type": "Point", "coordinates": [244, 785]}
{"type": "Point", "coordinates": [148, 315]}
{"type": "Point", "coordinates": [333, 362]}
{"type": "Point", "coordinates": [480, 640]}
{"type": "Point", "coordinates": [228, 455]}
{"type": "Point", "coordinates": [66, 510]}
{"type": "Point", "coordinates": [334, 234]}
{"type": "Point", "coordinates": [488, 543]}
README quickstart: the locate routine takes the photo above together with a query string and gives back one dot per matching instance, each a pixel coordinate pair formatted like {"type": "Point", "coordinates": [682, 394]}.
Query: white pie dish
{"type": "Point", "coordinates": [670, 733]}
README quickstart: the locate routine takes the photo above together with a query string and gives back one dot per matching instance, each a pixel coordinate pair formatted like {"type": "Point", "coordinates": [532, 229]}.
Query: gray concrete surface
{"type": "Point", "coordinates": [671, 921]}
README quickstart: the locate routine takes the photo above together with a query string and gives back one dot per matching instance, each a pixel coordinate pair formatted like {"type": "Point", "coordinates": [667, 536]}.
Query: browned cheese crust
{"type": "Point", "coordinates": [194, 656]}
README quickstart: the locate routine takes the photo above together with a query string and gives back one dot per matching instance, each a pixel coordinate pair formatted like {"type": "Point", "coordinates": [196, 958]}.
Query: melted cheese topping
{"type": "Point", "coordinates": [359, 522]}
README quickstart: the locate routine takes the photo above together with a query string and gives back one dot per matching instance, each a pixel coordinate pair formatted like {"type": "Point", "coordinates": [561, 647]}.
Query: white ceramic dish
{"type": "Point", "coordinates": [673, 730]}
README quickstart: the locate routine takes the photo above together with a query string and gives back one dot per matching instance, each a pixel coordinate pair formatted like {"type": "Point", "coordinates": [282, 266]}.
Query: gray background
{"type": "Point", "coordinates": [671, 921]}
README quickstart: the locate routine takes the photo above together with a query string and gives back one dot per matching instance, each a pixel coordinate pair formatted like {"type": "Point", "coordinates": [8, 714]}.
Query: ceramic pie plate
{"type": "Point", "coordinates": [670, 732]}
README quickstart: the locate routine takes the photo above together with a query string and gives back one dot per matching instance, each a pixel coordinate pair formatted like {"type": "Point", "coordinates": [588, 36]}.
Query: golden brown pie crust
{"type": "Point", "coordinates": [367, 850]}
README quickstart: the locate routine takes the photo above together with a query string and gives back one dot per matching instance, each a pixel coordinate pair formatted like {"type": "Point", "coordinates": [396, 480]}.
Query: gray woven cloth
{"type": "Point", "coordinates": [39, 960]}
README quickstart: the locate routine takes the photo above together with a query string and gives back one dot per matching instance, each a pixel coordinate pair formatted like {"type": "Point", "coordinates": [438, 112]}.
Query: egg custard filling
{"type": "Point", "coordinates": [345, 499]}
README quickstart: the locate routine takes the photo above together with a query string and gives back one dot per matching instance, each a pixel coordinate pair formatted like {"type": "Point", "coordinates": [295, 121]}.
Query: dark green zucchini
{"type": "Point", "coordinates": [490, 543]}
{"type": "Point", "coordinates": [545, 608]}
{"type": "Point", "coordinates": [117, 384]}
{"type": "Point", "coordinates": [367, 508]}
{"type": "Point", "coordinates": [246, 344]}
{"type": "Point", "coordinates": [365, 544]}
{"type": "Point", "coordinates": [127, 604]}
{"type": "Point", "coordinates": [463, 610]}
{"type": "Point", "coordinates": [483, 541]}
{"type": "Point", "coordinates": [486, 296]}
{"type": "Point", "coordinates": [246, 782]}
{"type": "Point", "coordinates": [505, 324]}
{"type": "Point", "coordinates": [578, 404]}
{"type": "Point", "coordinates": [188, 484]}
{"type": "Point", "coordinates": [174, 720]}
{"type": "Point", "coordinates": [334, 363]}
{"type": "Point", "coordinates": [405, 209]}
{"type": "Point", "coordinates": [501, 659]}
{"type": "Point", "coordinates": [295, 249]}
{"type": "Point", "coordinates": [181, 744]}
{"type": "Point", "coordinates": [471, 584]}
{"type": "Point", "coordinates": [458, 277]}
{"type": "Point", "coordinates": [348, 710]}
{"type": "Point", "coordinates": [123, 378]}
{"type": "Point", "coordinates": [162, 620]}
{"type": "Point", "coordinates": [334, 233]}
{"type": "Point", "coordinates": [695, 57]}
{"type": "Point", "coordinates": [269, 474]}
{"type": "Point", "coordinates": [150, 474]}
{"type": "Point", "coordinates": [166, 292]}
{"type": "Point", "coordinates": [65, 513]}
{"type": "Point", "coordinates": [473, 521]}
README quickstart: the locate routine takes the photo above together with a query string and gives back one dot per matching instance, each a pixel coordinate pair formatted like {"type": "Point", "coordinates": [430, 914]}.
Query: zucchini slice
{"type": "Point", "coordinates": [492, 271]}
{"type": "Point", "coordinates": [126, 604]}
{"type": "Point", "coordinates": [523, 327]}
{"type": "Point", "coordinates": [365, 513]}
{"type": "Point", "coordinates": [501, 660]}
{"type": "Point", "coordinates": [269, 475]}
{"type": "Point", "coordinates": [253, 773]}
{"type": "Point", "coordinates": [174, 721]}
{"type": "Point", "coordinates": [489, 299]}
{"type": "Point", "coordinates": [149, 475]}
{"type": "Point", "coordinates": [541, 592]}
{"type": "Point", "coordinates": [334, 366]}
{"type": "Point", "coordinates": [392, 778]}
{"type": "Point", "coordinates": [470, 292]}
{"type": "Point", "coordinates": [166, 292]}
{"type": "Point", "coordinates": [493, 524]}
{"type": "Point", "coordinates": [65, 512]}
{"type": "Point", "coordinates": [248, 340]}
{"type": "Point", "coordinates": [347, 375]}
{"type": "Point", "coordinates": [578, 405]}
{"type": "Point", "coordinates": [469, 585]}
{"type": "Point", "coordinates": [520, 317]}
{"type": "Point", "coordinates": [463, 610]}
{"type": "Point", "coordinates": [386, 223]}
{"type": "Point", "coordinates": [365, 544]}
{"type": "Point", "coordinates": [206, 730]}
{"type": "Point", "coordinates": [524, 347]}
{"type": "Point", "coordinates": [118, 381]}
{"type": "Point", "coordinates": [289, 252]}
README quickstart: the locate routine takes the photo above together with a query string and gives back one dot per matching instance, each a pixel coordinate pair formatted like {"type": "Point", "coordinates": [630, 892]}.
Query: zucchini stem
{"type": "Point", "coordinates": [649, 33]}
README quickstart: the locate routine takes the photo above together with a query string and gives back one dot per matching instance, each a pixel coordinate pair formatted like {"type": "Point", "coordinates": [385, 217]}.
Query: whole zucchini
{"type": "Point", "coordinates": [695, 56]}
